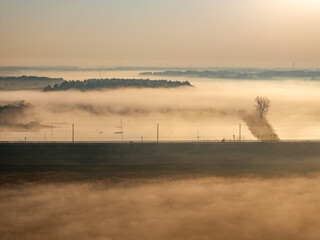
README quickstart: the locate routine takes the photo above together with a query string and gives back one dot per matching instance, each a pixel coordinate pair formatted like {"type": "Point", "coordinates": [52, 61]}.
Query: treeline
{"type": "Point", "coordinates": [30, 78]}
{"type": "Point", "coordinates": [93, 84]}
{"type": "Point", "coordinates": [75, 68]}
{"type": "Point", "coordinates": [202, 74]}
{"type": "Point", "coordinates": [242, 74]}
{"type": "Point", "coordinates": [26, 82]}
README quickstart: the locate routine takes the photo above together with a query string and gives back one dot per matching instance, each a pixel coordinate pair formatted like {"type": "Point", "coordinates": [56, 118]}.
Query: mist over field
{"type": "Point", "coordinates": [214, 107]}
{"type": "Point", "coordinates": [159, 120]}
{"type": "Point", "coordinates": [240, 194]}
{"type": "Point", "coordinates": [202, 208]}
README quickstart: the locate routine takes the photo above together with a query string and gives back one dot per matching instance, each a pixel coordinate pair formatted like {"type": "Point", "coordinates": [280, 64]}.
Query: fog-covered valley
{"type": "Point", "coordinates": [213, 107]}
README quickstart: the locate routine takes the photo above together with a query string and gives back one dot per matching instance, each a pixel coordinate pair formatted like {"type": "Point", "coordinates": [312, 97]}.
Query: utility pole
{"type": "Point", "coordinates": [73, 132]}
{"type": "Point", "coordinates": [121, 131]}
{"type": "Point", "coordinates": [198, 137]}
{"type": "Point", "coordinates": [157, 132]}
{"type": "Point", "coordinates": [240, 132]}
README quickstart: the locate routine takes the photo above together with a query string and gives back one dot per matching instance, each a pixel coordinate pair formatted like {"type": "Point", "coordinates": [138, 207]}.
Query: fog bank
{"type": "Point", "coordinates": [17, 115]}
{"type": "Point", "coordinates": [212, 107]}
{"type": "Point", "coordinates": [207, 208]}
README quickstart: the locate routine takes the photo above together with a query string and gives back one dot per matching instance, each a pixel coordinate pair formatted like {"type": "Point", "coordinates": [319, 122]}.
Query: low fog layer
{"type": "Point", "coordinates": [208, 208]}
{"type": "Point", "coordinates": [212, 107]}
{"type": "Point", "coordinates": [12, 116]}
{"type": "Point", "coordinates": [16, 116]}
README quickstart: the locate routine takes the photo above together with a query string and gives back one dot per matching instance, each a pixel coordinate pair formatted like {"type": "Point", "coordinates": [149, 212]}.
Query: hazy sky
{"type": "Point", "coordinates": [255, 33]}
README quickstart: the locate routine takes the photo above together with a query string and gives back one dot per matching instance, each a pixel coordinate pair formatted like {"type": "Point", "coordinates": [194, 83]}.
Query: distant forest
{"type": "Point", "coordinates": [93, 84]}
{"type": "Point", "coordinates": [76, 69]}
{"type": "Point", "coordinates": [27, 82]}
{"type": "Point", "coordinates": [242, 74]}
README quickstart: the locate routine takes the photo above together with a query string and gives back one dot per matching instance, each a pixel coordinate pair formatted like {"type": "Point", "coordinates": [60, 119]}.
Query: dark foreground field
{"type": "Point", "coordinates": [205, 191]}
{"type": "Point", "coordinates": [45, 162]}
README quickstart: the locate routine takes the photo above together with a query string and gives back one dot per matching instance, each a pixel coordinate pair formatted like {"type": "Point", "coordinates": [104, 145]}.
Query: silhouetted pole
{"type": "Point", "coordinates": [73, 133]}
{"type": "Point", "coordinates": [51, 130]}
{"type": "Point", "coordinates": [198, 137]}
{"type": "Point", "coordinates": [157, 132]}
{"type": "Point", "coordinates": [240, 132]}
{"type": "Point", "coordinates": [121, 131]}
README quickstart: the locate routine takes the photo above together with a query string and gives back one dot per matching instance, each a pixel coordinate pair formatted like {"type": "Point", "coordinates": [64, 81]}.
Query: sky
{"type": "Point", "coordinates": [202, 33]}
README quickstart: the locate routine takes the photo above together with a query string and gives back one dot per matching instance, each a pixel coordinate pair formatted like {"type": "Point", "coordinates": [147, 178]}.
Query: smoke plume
{"type": "Point", "coordinates": [259, 127]}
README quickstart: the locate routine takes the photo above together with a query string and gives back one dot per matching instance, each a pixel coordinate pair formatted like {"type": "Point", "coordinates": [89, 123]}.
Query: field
{"type": "Point", "coordinates": [56, 162]}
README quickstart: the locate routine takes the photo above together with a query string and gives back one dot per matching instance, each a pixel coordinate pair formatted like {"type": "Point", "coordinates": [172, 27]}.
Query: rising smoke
{"type": "Point", "coordinates": [259, 127]}
{"type": "Point", "coordinates": [257, 122]}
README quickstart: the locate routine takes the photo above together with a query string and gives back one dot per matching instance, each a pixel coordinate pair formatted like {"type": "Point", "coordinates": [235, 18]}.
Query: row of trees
{"type": "Point", "coordinates": [93, 84]}
{"type": "Point", "coordinates": [241, 74]}
{"type": "Point", "coordinates": [205, 74]}
{"type": "Point", "coordinates": [27, 82]}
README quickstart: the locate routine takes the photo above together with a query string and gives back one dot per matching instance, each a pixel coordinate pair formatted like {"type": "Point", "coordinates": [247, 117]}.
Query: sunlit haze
{"type": "Point", "coordinates": [247, 33]}
{"type": "Point", "coordinates": [160, 119]}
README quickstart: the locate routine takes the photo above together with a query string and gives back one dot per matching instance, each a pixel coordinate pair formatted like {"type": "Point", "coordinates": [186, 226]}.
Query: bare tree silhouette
{"type": "Point", "coordinates": [262, 106]}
